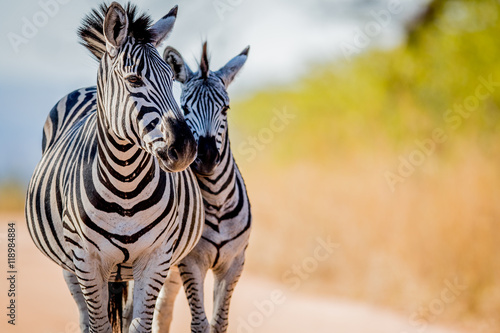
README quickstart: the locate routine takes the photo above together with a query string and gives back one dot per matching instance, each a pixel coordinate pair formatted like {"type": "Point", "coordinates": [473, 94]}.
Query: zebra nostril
{"type": "Point", "coordinates": [172, 154]}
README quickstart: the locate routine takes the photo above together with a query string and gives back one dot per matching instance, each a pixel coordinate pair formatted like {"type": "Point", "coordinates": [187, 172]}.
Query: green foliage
{"type": "Point", "coordinates": [353, 122]}
{"type": "Point", "coordinates": [390, 98]}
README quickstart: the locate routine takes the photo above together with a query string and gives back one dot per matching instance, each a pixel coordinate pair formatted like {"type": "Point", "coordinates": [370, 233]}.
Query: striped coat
{"type": "Point", "coordinates": [109, 200]}
{"type": "Point", "coordinates": [227, 208]}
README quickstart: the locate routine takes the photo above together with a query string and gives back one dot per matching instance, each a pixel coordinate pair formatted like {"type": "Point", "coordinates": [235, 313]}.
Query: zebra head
{"type": "Point", "coordinates": [205, 102]}
{"type": "Point", "coordinates": [135, 100]}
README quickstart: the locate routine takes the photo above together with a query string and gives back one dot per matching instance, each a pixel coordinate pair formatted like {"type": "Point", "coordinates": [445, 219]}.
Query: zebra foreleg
{"type": "Point", "coordinates": [148, 281]}
{"type": "Point", "coordinates": [225, 280]}
{"type": "Point", "coordinates": [193, 275]}
{"type": "Point", "coordinates": [94, 287]}
{"type": "Point", "coordinates": [165, 303]}
{"type": "Point", "coordinates": [76, 292]}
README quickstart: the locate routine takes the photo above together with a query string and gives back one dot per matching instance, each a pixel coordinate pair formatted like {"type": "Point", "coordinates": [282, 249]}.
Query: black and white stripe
{"type": "Point", "coordinates": [104, 202]}
{"type": "Point", "coordinates": [227, 209]}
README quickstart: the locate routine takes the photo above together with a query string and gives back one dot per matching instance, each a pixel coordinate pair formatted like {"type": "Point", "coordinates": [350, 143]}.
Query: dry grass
{"type": "Point", "coordinates": [12, 197]}
{"type": "Point", "coordinates": [396, 249]}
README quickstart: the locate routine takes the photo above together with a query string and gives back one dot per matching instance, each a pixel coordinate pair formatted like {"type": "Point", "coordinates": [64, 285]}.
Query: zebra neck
{"type": "Point", "coordinates": [218, 189]}
{"type": "Point", "coordinates": [122, 166]}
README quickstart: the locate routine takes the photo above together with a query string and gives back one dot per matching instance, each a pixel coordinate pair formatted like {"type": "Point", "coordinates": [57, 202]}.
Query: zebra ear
{"type": "Point", "coordinates": [115, 28]}
{"type": "Point", "coordinates": [173, 58]}
{"type": "Point", "coordinates": [161, 29]}
{"type": "Point", "coordinates": [229, 71]}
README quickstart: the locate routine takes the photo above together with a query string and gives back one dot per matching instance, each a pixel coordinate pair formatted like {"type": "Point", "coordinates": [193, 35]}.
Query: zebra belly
{"type": "Point", "coordinates": [44, 217]}
{"type": "Point", "coordinates": [122, 272]}
{"type": "Point", "coordinates": [49, 240]}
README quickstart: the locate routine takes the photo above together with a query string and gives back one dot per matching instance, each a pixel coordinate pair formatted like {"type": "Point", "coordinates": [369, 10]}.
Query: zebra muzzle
{"type": "Point", "coordinates": [208, 156]}
{"type": "Point", "coordinates": [180, 152]}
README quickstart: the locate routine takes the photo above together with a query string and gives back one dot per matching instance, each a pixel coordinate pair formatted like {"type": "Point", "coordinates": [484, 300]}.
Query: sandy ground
{"type": "Point", "coordinates": [44, 304]}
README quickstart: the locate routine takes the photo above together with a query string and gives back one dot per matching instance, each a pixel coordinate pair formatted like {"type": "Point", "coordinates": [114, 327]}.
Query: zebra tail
{"type": "Point", "coordinates": [117, 297]}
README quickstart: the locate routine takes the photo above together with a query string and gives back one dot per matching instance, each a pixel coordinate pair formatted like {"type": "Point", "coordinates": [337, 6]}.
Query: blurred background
{"type": "Point", "coordinates": [373, 125]}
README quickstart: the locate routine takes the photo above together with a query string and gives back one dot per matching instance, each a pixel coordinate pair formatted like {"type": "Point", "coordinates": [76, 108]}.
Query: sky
{"type": "Point", "coordinates": [41, 60]}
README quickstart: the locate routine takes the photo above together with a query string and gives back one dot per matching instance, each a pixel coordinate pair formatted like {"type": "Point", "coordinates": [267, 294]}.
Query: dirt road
{"type": "Point", "coordinates": [44, 305]}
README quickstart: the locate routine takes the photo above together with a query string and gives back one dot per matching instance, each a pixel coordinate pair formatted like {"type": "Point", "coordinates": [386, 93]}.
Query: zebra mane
{"type": "Point", "coordinates": [204, 63]}
{"type": "Point", "coordinates": [92, 35]}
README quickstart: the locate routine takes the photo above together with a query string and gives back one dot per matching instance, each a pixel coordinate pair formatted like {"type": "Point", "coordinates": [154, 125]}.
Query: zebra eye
{"type": "Point", "coordinates": [186, 110]}
{"type": "Point", "coordinates": [135, 81]}
{"type": "Point", "coordinates": [224, 109]}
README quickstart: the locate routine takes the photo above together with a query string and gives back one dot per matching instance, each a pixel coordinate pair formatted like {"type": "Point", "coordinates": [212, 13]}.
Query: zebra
{"type": "Point", "coordinates": [111, 198]}
{"type": "Point", "coordinates": [205, 102]}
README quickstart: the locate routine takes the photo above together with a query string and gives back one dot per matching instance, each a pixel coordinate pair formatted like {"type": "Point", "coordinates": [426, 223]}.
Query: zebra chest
{"type": "Point", "coordinates": [129, 223]}
{"type": "Point", "coordinates": [124, 239]}
{"type": "Point", "coordinates": [219, 229]}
